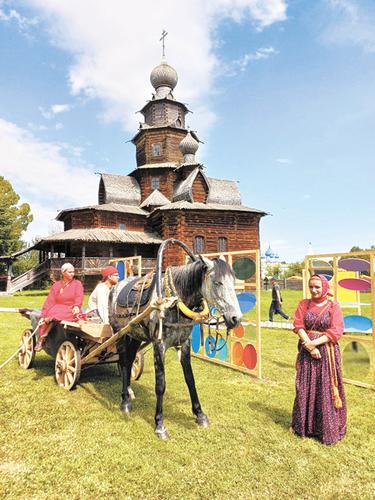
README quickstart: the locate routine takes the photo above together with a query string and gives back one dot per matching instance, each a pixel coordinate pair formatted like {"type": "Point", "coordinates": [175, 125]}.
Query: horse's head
{"type": "Point", "coordinates": [218, 289]}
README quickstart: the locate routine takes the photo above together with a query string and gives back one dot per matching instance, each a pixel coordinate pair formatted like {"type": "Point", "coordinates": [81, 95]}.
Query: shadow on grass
{"type": "Point", "coordinates": [278, 415]}
{"type": "Point", "coordinates": [282, 364]}
{"type": "Point", "coordinates": [103, 384]}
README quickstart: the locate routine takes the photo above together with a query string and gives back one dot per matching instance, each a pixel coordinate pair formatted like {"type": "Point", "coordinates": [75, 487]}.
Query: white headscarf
{"type": "Point", "coordinates": [66, 266]}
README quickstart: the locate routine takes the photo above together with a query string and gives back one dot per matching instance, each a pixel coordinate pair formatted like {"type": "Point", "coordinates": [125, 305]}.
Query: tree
{"type": "Point", "coordinates": [14, 218]}
{"type": "Point", "coordinates": [294, 269]}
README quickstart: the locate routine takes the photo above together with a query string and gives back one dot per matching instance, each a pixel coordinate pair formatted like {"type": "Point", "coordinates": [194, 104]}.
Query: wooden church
{"type": "Point", "coordinates": [167, 195]}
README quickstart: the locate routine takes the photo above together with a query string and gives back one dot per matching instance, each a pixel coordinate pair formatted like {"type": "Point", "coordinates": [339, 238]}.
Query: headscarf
{"type": "Point", "coordinates": [325, 287]}
{"type": "Point", "coordinates": [66, 266]}
{"type": "Point", "coordinates": [108, 271]}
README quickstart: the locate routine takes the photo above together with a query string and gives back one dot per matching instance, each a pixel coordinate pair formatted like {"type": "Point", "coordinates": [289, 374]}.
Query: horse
{"type": "Point", "coordinates": [202, 280]}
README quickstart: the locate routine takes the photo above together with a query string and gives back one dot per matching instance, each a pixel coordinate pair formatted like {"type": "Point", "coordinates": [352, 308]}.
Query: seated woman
{"type": "Point", "coordinates": [98, 300]}
{"type": "Point", "coordinates": [63, 302]}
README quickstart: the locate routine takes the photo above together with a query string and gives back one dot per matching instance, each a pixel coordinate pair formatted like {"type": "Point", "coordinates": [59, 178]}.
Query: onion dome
{"type": "Point", "coordinates": [188, 147]}
{"type": "Point", "coordinates": [268, 252]}
{"type": "Point", "coordinates": [164, 79]}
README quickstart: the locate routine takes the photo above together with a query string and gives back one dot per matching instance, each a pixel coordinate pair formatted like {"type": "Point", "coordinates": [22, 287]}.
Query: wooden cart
{"type": "Point", "coordinates": [75, 345]}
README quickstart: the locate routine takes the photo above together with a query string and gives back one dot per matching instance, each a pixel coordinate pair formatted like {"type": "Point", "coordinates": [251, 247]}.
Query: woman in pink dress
{"type": "Point", "coordinates": [63, 302]}
{"type": "Point", "coordinates": [319, 407]}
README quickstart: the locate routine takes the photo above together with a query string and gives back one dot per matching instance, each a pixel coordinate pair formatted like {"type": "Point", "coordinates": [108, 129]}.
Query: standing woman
{"type": "Point", "coordinates": [320, 406]}
{"type": "Point", "coordinates": [63, 302]}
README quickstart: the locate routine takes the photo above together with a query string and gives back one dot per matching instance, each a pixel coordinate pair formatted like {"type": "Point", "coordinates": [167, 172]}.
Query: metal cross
{"type": "Point", "coordinates": [163, 35]}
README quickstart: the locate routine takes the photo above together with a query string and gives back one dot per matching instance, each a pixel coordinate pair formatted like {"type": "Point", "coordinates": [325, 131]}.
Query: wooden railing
{"type": "Point", "coordinates": [29, 277]}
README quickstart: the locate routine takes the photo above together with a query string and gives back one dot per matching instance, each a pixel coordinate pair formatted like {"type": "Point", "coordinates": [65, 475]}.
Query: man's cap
{"type": "Point", "coordinates": [108, 271]}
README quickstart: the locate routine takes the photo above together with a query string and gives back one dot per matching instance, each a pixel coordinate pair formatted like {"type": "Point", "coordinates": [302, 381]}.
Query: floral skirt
{"type": "Point", "coordinates": [314, 414]}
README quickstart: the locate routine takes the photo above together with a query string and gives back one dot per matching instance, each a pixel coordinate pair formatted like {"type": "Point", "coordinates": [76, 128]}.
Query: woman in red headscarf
{"type": "Point", "coordinates": [319, 407]}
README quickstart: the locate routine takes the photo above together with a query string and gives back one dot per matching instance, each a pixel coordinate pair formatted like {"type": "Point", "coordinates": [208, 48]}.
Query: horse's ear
{"type": "Point", "coordinates": [208, 264]}
{"type": "Point", "coordinates": [221, 257]}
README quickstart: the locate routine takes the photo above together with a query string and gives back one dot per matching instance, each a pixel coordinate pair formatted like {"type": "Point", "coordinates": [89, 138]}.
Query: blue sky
{"type": "Point", "coordinates": [282, 95]}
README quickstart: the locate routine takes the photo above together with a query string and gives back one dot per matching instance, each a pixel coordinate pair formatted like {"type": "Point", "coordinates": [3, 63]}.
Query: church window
{"type": "Point", "coordinates": [222, 244]}
{"type": "Point", "coordinates": [156, 149]}
{"type": "Point", "coordinates": [155, 183]}
{"type": "Point", "coordinates": [199, 244]}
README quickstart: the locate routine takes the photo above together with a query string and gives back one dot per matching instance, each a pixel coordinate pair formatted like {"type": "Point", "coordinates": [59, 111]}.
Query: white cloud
{"type": "Point", "coordinates": [115, 45]}
{"type": "Point", "coordinates": [262, 53]}
{"type": "Point", "coordinates": [60, 108]}
{"type": "Point", "coordinates": [284, 161]}
{"type": "Point", "coordinates": [44, 175]}
{"type": "Point", "coordinates": [12, 15]}
{"type": "Point", "coordinates": [59, 126]}
{"type": "Point", "coordinates": [351, 23]}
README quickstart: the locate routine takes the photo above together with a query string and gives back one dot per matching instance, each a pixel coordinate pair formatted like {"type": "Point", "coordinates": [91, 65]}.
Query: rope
{"type": "Point", "coordinates": [18, 350]}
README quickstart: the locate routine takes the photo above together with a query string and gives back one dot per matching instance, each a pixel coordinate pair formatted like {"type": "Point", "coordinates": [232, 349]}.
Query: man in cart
{"type": "Point", "coordinates": [98, 300]}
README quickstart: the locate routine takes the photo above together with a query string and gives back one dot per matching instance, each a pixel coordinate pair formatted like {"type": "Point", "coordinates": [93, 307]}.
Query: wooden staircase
{"type": "Point", "coordinates": [29, 277]}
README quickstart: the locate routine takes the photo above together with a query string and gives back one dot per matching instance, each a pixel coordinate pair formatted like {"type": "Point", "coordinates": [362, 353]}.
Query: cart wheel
{"type": "Point", "coordinates": [137, 366]}
{"type": "Point", "coordinates": [67, 365]}
{"type": "Point", "coordinates": [26, 355]}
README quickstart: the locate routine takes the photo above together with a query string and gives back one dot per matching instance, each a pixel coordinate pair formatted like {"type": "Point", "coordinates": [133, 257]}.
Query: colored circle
{"type": "Point", "coordinates": [237, 353]}
{"type": "Point", "coordinates": [357, 323]}
{"type": "Point", "coordinates": [196, 338]}
{"type": "Point", "coordinates": [354, 264]}
{"type": "Point", "coordinates": [244, 268]}
{"type": "Point", "coordinates": [247, 301]}
{"type": "Point", "coordinates": [222, 349]}
{"type": "Point", "coordinates": [357, 284]}
{"type": "Point", "coordinates": [214, 311]}
{"type": "Point", "coordinates": [210, 347]}
{"type": "Point", "coordinates": [250, 357]}
{"type": "Point", "coordinates": [120, 269]}
{"type": "Point", "coordinates": [239, 331]}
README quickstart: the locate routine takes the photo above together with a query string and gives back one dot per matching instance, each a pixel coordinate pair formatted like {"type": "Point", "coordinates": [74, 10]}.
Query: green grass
{"type": "Point", "coordinates": [58, 444]}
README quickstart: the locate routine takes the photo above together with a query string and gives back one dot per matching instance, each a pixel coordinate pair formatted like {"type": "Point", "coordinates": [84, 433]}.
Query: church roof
{"type": "Point", "coordinates": [104, 235]}
{"type": "Point", "coordinates": [184, 189]}
{"type": "Point", "coordinates": [186, 205]}
{"type": "Point", "coordinates": [106, 207]}
{"type": "Point", "coordinates": [122, 189]}
{"type": "Point", "coordinates": [223, 191]}
{"type": "Point", "coordinates": [155, 199]}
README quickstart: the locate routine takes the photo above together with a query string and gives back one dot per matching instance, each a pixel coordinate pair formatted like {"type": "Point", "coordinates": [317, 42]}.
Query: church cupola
{"type": "Point", "coordinates": [188, 147]}
{"type": "Point", "coordinates": [164, 79]}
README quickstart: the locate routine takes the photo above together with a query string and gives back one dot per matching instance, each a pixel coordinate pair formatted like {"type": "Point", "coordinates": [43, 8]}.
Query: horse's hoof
{"type": "Point", "coordinates": [202, 420]}
{"type": "Point", "coordinates": [126, 407]}
{"type": "Point", "coordinates": [162, 433]}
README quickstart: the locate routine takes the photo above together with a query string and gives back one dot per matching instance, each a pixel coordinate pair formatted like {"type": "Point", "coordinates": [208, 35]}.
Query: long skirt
{"type": "Point", "coordinates": [314, 414]}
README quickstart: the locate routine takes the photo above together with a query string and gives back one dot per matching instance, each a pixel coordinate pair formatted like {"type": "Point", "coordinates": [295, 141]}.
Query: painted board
{"type": "Point", "coordinates": [247, 301]}
{"type": "Point", "coordinates": [345, 296]}
{"type": "Point", "coordinates": [357, 323]}
{"type": "Point", "coordinates": [120, 269]}
{"type": "Point", "coordinates": [357, 284]}
{"type": "Point", "coordinates": [354, 264]}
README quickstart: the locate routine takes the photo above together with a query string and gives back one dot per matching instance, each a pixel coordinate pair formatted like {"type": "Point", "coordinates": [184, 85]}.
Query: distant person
{"type": "Point", "coordinates": [63, 302]}
{"type": "Point", "coordinates": [98, 300]}
{"type": "Point", "coordinates": [319, 408]}
{"type": "Point", "coordinates": [275, 307]}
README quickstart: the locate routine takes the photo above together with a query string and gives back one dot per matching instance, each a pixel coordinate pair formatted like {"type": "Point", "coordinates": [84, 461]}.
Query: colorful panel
{"type": "Point", "coordinates": [121, 269]}
{"type": "Point", "coordinates": [321, 267]}
{"type": "Point", "coordinates": [343, 295]}
{"type": "Point", "coordinates": [222, 349]}
{"type": "Point", "coordinates": [196, 338]}
{"type": "Point", "coordinates": [357, 284]}
{"type": "Point", "coordinates": [237, 354]}
{"type": "Point", "coordinates": [250, 357]}
{"type": "Point", "coordinates": [209, 346]}
{"type": "Point", "coordinates": [247, 301]}
{"type": "Point", "coordinates": [239, 331]}
{"type": "Point", "coordinates": [357, 323]}
{"type": "Point", "coordinates": [244, 268]}
{"type": "Point", "coordinates": [354, 264]}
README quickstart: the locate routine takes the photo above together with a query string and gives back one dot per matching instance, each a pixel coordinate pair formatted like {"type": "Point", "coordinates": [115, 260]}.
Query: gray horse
{"type": "Point", "coordinates": [203, 280]}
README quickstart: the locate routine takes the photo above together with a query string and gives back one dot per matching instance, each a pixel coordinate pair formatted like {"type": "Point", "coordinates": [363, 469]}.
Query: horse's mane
{"type": "Point", "coordinates": [188, 279]}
